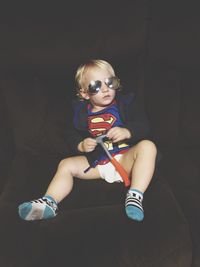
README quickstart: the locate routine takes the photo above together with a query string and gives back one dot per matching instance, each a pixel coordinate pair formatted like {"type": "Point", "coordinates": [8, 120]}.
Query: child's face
{"type": "Point", "coordinates": [105, 95]}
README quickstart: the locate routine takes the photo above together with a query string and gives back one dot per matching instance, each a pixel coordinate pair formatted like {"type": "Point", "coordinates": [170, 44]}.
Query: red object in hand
{"type": "Point", "coordinates": [121, 171]}
{"type": "Point", "coordinates": [115, 163]}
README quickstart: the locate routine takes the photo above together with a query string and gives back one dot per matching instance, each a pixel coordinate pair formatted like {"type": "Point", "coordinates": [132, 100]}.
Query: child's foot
{"type": "Point", "coordinates": [133, 205]}
{"type": "Point", "coordinates": [42, 208]}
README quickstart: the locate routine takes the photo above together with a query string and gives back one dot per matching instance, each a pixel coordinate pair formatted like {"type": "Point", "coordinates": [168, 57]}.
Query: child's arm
{"type": "Point", "coordinates": [136, 120]}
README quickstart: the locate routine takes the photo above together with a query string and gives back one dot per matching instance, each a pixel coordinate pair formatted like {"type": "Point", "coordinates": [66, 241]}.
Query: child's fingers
{"type": "Point", "coordinates": [90, 141]}
{"type": "Point", "coordinates": [111, 133]}
{"type": "Point", "coordinates": [89, 144]}
{"type": "Point", "coordinates": [115, 135]}
{"type": "Point", "coordinates": [117, 138]}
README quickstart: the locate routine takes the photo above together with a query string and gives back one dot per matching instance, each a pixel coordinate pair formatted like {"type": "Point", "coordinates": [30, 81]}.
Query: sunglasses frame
{"type": "Point", "coordinates": [98, 84]}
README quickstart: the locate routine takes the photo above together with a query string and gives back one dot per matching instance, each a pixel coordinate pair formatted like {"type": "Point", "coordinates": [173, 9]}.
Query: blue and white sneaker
{"type": "Point", "coordinates": [39, 209]}
{"type": "Point", "coordinates": [133, 205]}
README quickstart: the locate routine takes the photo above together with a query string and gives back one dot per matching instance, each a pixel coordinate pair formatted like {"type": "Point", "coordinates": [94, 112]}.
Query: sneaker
{"type": "Point", "coordinates": [39, 209]}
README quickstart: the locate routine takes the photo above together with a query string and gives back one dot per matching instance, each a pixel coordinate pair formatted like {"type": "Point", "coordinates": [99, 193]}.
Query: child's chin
{"type": "Point", "coordinates": [108, 100]}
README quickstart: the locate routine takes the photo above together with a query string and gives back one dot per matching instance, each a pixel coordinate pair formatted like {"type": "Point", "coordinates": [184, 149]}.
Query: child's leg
{"type": "Point", "coordinates": [59, 188]}
{"type": "Point", "coordinates": [139, 162]}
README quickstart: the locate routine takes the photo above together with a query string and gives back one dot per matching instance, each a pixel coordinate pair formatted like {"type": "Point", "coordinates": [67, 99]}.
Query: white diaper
{"type": "Point", "coordinates": [108, 171]}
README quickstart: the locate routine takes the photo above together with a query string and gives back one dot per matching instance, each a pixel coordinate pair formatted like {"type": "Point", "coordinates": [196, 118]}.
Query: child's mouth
{"type": "Point", "coordinates": [106, 96]}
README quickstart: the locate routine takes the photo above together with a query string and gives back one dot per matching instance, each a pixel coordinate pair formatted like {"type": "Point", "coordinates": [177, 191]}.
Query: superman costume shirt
{"type": "Point", "coordinates": [100, 122]}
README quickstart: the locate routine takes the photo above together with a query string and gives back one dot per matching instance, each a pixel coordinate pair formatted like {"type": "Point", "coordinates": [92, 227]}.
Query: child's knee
{"type": "Point", "coordinates": [69, 166]}
{"type": "Point", "coordinates": [65, 164]}
{"type": "Point", "coordinates": [148, 146]}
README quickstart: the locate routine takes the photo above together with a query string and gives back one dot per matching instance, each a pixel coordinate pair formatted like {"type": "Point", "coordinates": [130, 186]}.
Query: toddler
{"type": "Point", "coordinates": [101, 109]}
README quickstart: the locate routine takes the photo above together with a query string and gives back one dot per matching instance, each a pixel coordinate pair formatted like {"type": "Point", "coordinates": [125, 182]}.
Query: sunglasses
{"type": "Point", "coordinates": [95, 86]}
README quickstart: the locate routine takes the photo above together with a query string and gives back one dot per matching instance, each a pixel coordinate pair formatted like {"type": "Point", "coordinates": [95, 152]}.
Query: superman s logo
{"type": "Point", "coordinates": [101, 123]}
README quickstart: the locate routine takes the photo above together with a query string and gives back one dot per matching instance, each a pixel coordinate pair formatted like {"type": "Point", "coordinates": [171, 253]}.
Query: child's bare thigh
{"type": "Point", "coordinates": [77, 165]}
{"type": "Point", "coordinates": [127, 160]}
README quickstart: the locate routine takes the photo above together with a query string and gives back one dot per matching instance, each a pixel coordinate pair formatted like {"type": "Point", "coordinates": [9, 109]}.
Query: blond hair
{"type": "Point", "coordinates": [89, 65]}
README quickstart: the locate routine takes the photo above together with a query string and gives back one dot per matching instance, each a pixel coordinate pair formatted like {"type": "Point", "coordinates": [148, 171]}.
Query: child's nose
{"type": "Point", "coordinates": [104, 88]}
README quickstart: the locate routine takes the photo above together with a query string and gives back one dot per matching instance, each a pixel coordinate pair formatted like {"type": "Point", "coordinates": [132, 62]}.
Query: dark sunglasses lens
{"type": "Point", "coordinates": [112, 83]}
{"type": "Point", "coordinates": [94, 87]}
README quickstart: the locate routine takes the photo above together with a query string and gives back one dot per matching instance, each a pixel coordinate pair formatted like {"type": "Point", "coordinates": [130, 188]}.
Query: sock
{"type": "Point", "coordinates": [42, 208]}
{"type": "Point", "coordinates": [133, 205]}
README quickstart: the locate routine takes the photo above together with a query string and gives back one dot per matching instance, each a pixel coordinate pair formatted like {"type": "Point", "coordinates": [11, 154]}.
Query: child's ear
{"type": "Point", "coordinates": [84, 94]}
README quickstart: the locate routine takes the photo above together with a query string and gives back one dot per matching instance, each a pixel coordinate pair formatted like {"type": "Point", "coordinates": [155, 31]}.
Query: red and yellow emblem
{"type": "Point", "coordinates": [100, 124]}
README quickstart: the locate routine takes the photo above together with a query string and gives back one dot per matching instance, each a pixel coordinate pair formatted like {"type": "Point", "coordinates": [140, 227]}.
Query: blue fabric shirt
{"type": "Point", "coordinates": [100, 122]}
{"type": "Point", "coordinates": [132, 116]}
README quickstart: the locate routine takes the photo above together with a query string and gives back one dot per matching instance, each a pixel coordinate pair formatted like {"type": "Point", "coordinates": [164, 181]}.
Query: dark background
{"type": "Point", "coordinates": [55, 35]}
{"type": "Point", "coordinates": [154, 48]}
{"type": "Point", "coordinates": [151, 44]}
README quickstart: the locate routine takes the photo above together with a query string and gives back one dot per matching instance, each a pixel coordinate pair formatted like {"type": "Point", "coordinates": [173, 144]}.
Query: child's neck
{"type": "Point", "coordinates": [97, 108]}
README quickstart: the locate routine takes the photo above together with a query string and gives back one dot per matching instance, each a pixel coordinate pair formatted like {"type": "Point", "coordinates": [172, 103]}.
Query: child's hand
{"type": "Point", "coordinates": [117, 134]}
{"type": "Point", "coordinates": [87, 145]}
